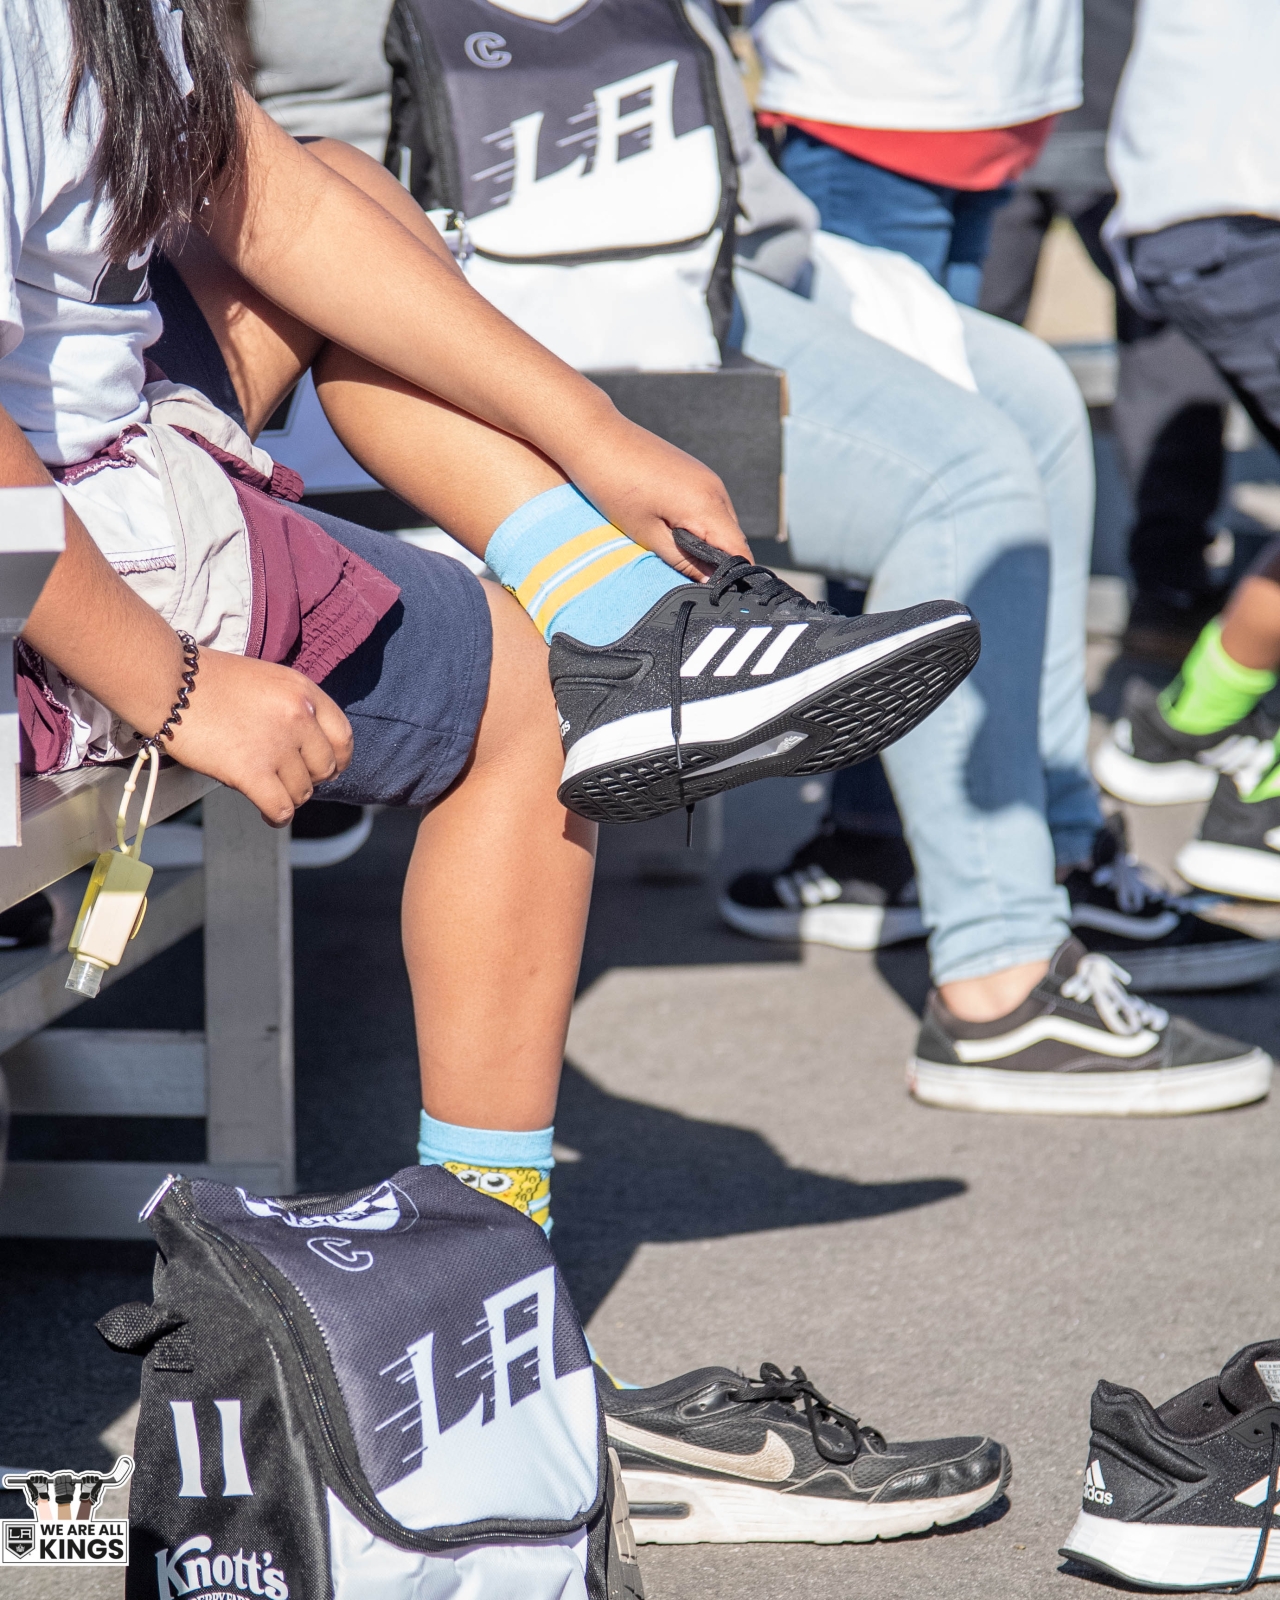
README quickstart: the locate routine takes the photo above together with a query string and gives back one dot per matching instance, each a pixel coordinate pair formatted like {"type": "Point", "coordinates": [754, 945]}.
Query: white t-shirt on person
{"type": "Point", "coordinates": [943, 65]}
{"type": "Point", "coordinates": [73, 326]}
{"type": "Point", "coordinates": [1196, 128]}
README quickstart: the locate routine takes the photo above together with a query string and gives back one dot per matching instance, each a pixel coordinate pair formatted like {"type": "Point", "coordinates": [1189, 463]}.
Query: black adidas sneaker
{"type": "Point", "coordinates": [856, 891]}
{"type": "Point", "coordinates": [1147, 762]}
{"type": "Point", "coordinates": [1118, 910]}
{"type": "Point", "coordinates": [1081, 1045]}
{"type": "Point", "coordinates": [1237, 850]}
{"type": "Point", "coordinates": [1183, 1496]}
{"type": "Point", "coordinates": [741, 678]}
{"type": "Point", "coordinates": [716, 1458]}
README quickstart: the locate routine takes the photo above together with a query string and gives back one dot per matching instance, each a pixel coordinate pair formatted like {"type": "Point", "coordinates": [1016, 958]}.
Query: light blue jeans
{"type": "Point", "coordinates": [900, 478]}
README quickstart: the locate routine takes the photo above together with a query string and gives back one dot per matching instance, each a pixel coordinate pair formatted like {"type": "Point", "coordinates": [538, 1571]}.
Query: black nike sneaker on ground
{"type": "Point", "coordinates": [742, 678]}
{"type": "Point", "coordinates": [1183, 1496]}
{"type": "Point", "coordinates": [1082, 1045]}
{"type": "Point", "coordinates": [1117, 910]}
{"type": "Point", "coordinates": [856, 891]}
{"type": "Point", "coordinates": [1147, 762]}
{"type": "Point", "coordinates": [716, 1458]}
{"type": "Point", "coordinates": [1237, 850]}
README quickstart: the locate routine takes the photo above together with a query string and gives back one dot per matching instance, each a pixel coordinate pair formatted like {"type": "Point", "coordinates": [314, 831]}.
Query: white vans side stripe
{"type": "Point", "coordinates": [723, 717]}
{"type": "Point", "coordinates": [706, 651]}
{"type": "Point", "coordinates": [772, 658]}
{"type": "Point", "coordinates": [746, 647]}
{"type": "Point", "coordinates": [1065, 1031]}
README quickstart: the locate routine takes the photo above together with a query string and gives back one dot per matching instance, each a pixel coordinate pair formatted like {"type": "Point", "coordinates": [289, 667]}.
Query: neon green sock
{"type": "Point", "coordinates": [1212, 691]}
{"type": "Point", "coordinates": [1269, 786]}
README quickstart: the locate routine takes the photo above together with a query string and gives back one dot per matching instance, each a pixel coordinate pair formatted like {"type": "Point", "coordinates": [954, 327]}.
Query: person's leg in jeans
{"type": "Point", "coordinates": [1013, 254]}
{"type": "Point", "coordinates": [949, 501]}
{"type": "Point", "coordinates": [1218, 280]}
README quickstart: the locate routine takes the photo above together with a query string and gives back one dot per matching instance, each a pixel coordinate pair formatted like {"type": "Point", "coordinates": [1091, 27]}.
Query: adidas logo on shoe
{"type": "Point", "coordinates": [740, 678]}
{"type": "Point", "coordinates": [1096, 1490]}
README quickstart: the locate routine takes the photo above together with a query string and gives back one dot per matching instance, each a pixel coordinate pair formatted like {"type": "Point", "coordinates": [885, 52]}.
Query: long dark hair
{"type": "Point", "coordinates": [159, 152]}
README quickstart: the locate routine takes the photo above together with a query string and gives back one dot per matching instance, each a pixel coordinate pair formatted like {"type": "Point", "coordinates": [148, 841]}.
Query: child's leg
{"type": "Point", "coordinates": [1235, 660]}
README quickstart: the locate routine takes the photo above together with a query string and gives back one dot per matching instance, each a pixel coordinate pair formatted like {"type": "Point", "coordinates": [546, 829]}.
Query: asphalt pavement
{"type": "Point", "coordinates": [743, 1178]}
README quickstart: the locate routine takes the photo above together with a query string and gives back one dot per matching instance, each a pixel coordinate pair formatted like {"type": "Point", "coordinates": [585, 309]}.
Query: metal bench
{"type": "Point", "coordinates": [237, 1074]}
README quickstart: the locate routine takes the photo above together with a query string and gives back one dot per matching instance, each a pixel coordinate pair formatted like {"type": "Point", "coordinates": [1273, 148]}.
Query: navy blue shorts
{"type": "Point", "coordinates": [415, 689]}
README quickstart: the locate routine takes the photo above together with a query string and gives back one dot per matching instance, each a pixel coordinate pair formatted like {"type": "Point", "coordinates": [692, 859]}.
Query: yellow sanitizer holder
{"type": "Point", "coordinates": [115, 902]}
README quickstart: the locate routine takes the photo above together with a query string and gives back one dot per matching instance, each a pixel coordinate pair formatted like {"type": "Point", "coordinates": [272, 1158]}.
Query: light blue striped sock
{"type": "Point", "coordinates": [573, 571]}
{"type": "Point", "coordinates": [512, 1167]}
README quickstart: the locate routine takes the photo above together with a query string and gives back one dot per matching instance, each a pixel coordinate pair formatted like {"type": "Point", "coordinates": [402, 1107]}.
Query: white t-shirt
{"type": "Point", "coordinates": [1196, 126]}
{"type": "Point", "coordinates": [73, 327]}
{"type": "Point", "coordinates": [942, 65]}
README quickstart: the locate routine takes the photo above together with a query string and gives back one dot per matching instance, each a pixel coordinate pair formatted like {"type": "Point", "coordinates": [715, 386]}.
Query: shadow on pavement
{"type": "Point", "coordinates": [650, 1176]}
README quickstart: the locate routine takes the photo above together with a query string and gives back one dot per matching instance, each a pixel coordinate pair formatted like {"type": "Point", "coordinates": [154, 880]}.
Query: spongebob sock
{"type": "Point", "coordinates": [573, 571]}
{"type": "Point", "coordinates": [1212, 691]}
{"type": "Point", "coordinates": [512, 1167]}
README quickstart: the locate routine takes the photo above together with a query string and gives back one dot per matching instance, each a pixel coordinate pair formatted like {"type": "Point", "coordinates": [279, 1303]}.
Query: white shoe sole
{"type": "Point", "coordinates": [1170, 1556]}
{"type": "Point", "coordinates": [1155, 1092]}
{"type": "Point", "coordinates": [714, 1511]}
{"type": "Point", "coordinates": [1198, 967]}
{"type": "Point", "coordinates": [1151, 783]}
{"type": "Point", "coordinates": [845, 927]}
{"type": "Point", "coordinates": [1231, 869]}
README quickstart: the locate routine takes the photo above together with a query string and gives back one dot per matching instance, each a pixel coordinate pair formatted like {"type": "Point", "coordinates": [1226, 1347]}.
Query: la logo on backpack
{"type": "Point", "coordinates": [382, 1393]}
{"type": "Point", "coordinates": [584, 143]}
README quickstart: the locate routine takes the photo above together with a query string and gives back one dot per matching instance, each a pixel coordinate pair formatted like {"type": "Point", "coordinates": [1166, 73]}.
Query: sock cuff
{"type": "Point", "coordinates": [562, 513]}
{"type": "Point", "coordinates": [439, 1142]}
{"type": "Point", "coordinates": [1248, 680]}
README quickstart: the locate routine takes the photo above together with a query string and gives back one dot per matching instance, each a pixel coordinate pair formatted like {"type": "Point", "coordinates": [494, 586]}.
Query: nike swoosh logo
{"type": "Point", "coordinates": [772, 1463]}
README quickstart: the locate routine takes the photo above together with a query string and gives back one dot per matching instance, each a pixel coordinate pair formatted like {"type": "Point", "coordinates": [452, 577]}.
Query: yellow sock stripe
{"type": "Point", "coordinates": [583, 578]}
{"type": "Point", "coordinates": [564, 556]}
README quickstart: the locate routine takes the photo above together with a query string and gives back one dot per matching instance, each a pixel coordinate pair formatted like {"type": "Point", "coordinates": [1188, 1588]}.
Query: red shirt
{"type": "Point", "coordinates": [975, 158]}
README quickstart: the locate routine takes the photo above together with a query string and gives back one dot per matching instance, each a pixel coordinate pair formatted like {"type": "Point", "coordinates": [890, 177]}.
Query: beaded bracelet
{"type": "Point", "coordinates": [191, 665]}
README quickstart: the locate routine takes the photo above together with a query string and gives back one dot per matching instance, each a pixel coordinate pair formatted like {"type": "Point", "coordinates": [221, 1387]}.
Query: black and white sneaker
{"type": "Point", "coordinates": [1118, 910]}
{"type": "Point", "coordinates": [1237, 850]}
{"type": "Point", "coordinates": [741, 678]}
{"type": "Point", "coordinates": [716, 1458]}
{"type": "Point", "coordinates": [1081, 1045]}
{"type": "Point", "coordinates": [1145, 761]}
{"type": "Point", "coordinates": [856, 891]}
{"type": "Point", "coordinates": [1182, 1496]}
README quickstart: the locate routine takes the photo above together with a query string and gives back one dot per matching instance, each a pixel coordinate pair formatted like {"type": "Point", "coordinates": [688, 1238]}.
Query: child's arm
{"type": "Point", "coordinates": [262, 729]}
{"type": "Point", "coordinates": [327, 254]}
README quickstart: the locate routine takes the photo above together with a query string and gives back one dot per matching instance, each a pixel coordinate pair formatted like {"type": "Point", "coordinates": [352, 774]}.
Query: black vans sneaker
{"type": "Point", "coordinates": [741, 678]}
{"type": "Point", "coordinates": [1183, 1496]}
{"type": "Point", "coordinates": [856, 891]}
{"type": "Point", "coordinates": [1082, 1045]}
{"type": "Point", "coordinates": [716, 1458]}
{"type": "Point", "coordinates": [1118, 910]}
{"type": "Point", "coordinates": [1147, 762]}
{"type": "Point", "coordinates": [1237, 850]}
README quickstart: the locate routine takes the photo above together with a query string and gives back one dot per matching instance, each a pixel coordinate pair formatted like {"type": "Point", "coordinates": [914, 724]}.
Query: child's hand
{"type": "Point", "coordinates": [262, 729]}
{"type": "Point", "coordinates": [646, 487]}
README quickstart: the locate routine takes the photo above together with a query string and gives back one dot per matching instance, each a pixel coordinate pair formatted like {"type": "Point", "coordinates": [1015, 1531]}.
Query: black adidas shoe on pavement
{"type": "Point", "coordinates": [1147, 762]}
{"type": "Point", "coordinates": [856, 891]}
{"type": "Point", "coordinates": [1081, 1045]}
{"type": "Point", "coordinates": [1182, 1496]}
{"type": "Point", "coordinates": [1117, 910]}
{"type": "Point", "coordinates": [741, 678]}
{"type": "Point", "coordinates": [1237, 850]}
{"type": "Point", "coordinates": [716, 1458]}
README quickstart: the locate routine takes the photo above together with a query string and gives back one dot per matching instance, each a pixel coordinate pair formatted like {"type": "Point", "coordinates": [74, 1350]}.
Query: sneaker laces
{"type": "Point", "coordinates": [1131, 883]}
{"type": "Point", "coordinates": [1268, 1512]}
{"type": "Point", "coordinates": [773, 1384]}
{"type": "Point", "coordinates": [1099, 982]}
{"type": "Point", "coordinates": [736, 573]}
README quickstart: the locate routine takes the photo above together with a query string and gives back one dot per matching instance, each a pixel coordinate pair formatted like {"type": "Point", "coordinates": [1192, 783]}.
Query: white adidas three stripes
{"type": "Point", "coordinates": [733, 663]}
